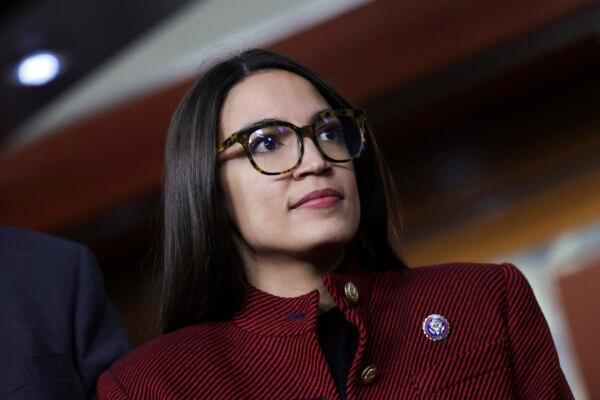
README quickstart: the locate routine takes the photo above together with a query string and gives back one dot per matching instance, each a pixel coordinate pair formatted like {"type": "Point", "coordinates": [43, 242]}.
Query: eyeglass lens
{"type": "Point", "coordinates": [277, 148]}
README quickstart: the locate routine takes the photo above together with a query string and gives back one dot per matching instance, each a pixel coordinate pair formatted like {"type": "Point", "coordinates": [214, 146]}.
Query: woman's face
{"type": "Point", "coordinates": [264, 206]}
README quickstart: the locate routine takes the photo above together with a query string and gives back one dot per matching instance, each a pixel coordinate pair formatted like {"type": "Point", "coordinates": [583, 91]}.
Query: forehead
{"type": "Point", "coordinates": [274, 94]}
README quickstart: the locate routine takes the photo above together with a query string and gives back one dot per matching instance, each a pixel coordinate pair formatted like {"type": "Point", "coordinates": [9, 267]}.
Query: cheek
{"type": "Point", "coordinates": [233, 190]}
{"type": "Point", "coordinates": [354, 204]}
{"type": "Point", "coordinates": [352, 212]}
{"type": "Point", "coordinates": [348, 179]}
{"type": "Point", "coordinates": [256, 202]}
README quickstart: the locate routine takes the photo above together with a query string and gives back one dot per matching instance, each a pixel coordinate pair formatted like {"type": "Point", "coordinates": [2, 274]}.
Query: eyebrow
{"type": "Point", "coordinates": [266, 120]}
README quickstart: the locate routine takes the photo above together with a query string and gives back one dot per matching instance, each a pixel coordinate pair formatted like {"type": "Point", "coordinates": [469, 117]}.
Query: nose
{"type": "Point", "coordinates": [312, 161]}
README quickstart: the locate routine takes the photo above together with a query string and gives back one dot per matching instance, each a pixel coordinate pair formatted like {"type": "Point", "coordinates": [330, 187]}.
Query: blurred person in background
{"type": "Point", "coordinates": [58, 330]}
{"type": "Point", "coordinates": [279, 279]}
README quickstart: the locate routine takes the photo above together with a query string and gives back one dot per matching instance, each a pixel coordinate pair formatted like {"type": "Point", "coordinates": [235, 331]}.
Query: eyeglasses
{"type": "Point", "coordinates": [277, 147]}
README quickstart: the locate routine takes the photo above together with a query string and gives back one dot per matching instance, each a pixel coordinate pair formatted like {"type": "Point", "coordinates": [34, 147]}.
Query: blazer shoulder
{"type": "Point", "coordinates": [163, 355]}
{"type": "Point", "coordinates": [489, 273]}
{"type": "Point", "coordinates": [32, 255]}
{"type": "Point", "coordinates": [22, 241]}
{"type": "Point", "coordinates": [452, 271]}
{"type": "Point", "coordinates": [458, 266]}
{"type": "Point", "coordinates": [453, 282]}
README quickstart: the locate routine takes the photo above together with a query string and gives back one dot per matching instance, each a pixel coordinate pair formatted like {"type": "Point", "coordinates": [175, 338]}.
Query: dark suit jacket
{"type": "Point", "coordinates": [498, 347]}
{"type": "Point", "coordinates": [58, 331]}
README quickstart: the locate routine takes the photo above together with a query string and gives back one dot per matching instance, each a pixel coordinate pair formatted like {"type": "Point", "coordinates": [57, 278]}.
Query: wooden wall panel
{"type": "Point", "coordinates": [88, 168]}
{"type": "Point", "coordinates": [375, 48]}
{"type": "Point", "coordinates": [514, 226]}
{"type": "Point", "coordinates": [581, 302]}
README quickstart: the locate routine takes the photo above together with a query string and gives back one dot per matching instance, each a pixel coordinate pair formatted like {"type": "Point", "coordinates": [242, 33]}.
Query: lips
{"type": "Point", "coordinates": [317, 194]}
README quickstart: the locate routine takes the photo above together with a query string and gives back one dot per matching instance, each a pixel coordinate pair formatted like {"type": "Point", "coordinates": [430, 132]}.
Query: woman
{"type": "Point", "coordinates": [279, 279]}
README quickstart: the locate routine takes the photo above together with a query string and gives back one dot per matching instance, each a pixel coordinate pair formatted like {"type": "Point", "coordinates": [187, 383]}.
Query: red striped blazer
{"type": "Point", "coordinates": [498, 345]}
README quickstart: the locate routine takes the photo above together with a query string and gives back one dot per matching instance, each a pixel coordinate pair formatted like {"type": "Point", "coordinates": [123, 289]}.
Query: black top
{"type": "Point", "coordinates": [339, 339]}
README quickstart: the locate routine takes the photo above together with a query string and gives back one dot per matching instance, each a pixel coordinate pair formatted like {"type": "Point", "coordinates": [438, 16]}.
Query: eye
{"type": "Point", "coordinates": [332, 132]}
{"type": "Point", "coordinates": [264, 144]}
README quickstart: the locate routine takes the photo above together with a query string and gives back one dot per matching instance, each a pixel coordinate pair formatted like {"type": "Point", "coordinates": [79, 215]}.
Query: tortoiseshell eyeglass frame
{"type": "Point", "coordinates": [308, 131]}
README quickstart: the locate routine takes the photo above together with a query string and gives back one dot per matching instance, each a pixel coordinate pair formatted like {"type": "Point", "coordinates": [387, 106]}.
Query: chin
{"type": "Point", "coordinates": [322, 237]}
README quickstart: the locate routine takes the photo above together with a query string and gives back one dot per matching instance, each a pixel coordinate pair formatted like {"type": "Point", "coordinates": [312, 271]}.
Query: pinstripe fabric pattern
{"type": "Point", "coordinates": [499, 346]}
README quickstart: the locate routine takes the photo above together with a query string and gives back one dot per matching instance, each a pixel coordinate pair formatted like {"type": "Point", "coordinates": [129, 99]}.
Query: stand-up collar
{"type": "Point", "coordinates": [266, 314]}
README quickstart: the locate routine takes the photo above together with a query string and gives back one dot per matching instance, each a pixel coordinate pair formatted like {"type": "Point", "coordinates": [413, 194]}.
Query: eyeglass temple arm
{"type": "Point", "coordinates": [230, 141]}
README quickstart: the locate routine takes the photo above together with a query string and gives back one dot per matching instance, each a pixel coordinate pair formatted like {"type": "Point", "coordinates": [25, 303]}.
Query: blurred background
{"type": "Point", "coordinates": [488, 112]}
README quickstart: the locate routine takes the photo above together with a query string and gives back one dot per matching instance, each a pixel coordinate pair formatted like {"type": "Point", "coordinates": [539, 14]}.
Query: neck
{"type": "Point", "coordinates": [285, 276]}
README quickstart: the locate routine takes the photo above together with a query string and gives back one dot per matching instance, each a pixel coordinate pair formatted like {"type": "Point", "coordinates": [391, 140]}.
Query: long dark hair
{"type": "Point", "coordinates": [200, 270]}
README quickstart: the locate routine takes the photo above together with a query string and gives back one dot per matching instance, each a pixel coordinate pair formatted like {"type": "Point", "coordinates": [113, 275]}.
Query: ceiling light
{"type": "Point", "coordinates": [38, 68]}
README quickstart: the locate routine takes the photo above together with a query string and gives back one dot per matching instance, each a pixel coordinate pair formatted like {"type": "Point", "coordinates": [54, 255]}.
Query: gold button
{"type": "Point", "coordinates": [369, 374]}
{"type": "Point", "coordinates": [351, 292]}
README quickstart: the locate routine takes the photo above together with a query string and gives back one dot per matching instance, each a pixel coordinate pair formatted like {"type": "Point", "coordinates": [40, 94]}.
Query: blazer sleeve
{"type": "Point", "coordinates": [537, 372]}
{"type": "Point", "coordinates": [99, 337]}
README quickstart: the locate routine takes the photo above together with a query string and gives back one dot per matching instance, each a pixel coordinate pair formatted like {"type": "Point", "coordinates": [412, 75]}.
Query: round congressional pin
{"type": "Point", "coordinates": [436, 327]}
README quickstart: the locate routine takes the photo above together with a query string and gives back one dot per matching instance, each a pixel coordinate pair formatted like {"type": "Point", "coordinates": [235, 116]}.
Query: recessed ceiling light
{"type": "Point", "coordinates": [38, 68]}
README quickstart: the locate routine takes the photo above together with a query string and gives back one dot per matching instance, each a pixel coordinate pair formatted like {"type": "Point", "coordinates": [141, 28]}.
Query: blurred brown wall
{"type": "Point", "coordinates": [580, 294]}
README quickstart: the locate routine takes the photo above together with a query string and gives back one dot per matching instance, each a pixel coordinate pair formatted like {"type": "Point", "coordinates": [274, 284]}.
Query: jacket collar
{"type": "Point", "coordinates": [266, 314]}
